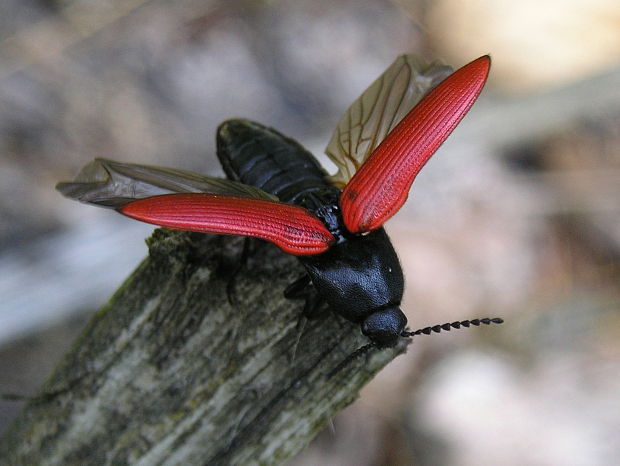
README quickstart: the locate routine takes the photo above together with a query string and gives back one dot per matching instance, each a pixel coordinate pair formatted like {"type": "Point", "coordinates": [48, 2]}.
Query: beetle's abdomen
{"type": "Point", "coordinates": [262, 157]}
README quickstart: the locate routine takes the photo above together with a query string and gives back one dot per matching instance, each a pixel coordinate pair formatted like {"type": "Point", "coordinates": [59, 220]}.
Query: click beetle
{"type": "Point", "coordinates": [277, 191]}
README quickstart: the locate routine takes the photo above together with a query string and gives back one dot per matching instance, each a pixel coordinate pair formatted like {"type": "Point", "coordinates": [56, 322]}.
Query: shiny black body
{"type": "Point", "coordinates": [360, 276]}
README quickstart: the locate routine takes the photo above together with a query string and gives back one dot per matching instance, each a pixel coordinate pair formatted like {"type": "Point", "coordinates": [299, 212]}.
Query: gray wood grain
{"type": "Point", "coordinates": [169, 372]}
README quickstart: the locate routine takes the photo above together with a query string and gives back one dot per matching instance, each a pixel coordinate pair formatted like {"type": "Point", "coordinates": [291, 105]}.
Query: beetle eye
{"type": "Point", "coordinates": [385, 326]}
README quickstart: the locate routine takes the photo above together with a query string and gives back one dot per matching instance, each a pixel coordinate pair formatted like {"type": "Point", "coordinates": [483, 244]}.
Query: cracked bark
{"type": "Point", "coordinates": [169, 372]}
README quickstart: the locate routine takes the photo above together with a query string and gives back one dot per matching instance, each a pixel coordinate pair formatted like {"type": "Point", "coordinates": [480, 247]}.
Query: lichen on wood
{"type": "Point", "coordinates": [171, 372]}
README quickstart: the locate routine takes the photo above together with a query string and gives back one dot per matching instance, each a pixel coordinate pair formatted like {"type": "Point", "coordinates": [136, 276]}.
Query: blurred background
{"type": "Point", "coordinates": [516, 216]}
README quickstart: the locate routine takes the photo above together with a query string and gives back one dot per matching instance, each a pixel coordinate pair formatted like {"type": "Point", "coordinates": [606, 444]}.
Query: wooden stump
{"type": "Point", "coordinates": [169, 372]}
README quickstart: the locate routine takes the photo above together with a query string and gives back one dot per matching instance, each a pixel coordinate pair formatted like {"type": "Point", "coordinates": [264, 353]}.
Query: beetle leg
{"type": "Point", "coordinates": [232, 279]}
{"type": "Point", "coordinates": [313, 306]}
{"type": "Point", "coordinates": [298, 289]}
{"type": "Point", "coordinates": [302, 288]}
{"type": "Point", "coordinates": [301, 324]}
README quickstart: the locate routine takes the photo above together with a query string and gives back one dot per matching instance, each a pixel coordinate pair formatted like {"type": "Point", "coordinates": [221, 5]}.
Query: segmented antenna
{"type": "Point", "coordinates": [450, 325]}
{"type": "Point", "coordinates": [421, 331]}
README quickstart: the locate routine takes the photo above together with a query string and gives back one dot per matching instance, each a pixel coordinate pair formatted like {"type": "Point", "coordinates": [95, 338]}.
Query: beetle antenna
{"type": "Point", "coordinates": [354, 355]}
{"type": "Point", "coordinates": [450, 325]}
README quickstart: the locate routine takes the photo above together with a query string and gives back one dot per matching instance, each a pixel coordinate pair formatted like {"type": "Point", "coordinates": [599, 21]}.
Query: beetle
{"type": "Point", "coordinates": [277, 191]}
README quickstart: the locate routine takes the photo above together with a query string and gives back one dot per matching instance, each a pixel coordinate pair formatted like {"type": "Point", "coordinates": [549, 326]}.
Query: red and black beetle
{"type": "Point", "coordinates": [278, 192]}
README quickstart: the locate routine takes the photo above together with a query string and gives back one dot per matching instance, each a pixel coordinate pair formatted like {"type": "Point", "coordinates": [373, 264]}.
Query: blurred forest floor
{"type": "Point", "coordinates": [517, 216]}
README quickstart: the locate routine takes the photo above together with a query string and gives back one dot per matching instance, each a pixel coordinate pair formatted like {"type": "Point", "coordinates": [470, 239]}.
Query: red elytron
{"type": "Point", "coordinates": [381, 185]}
{"type": "Point", "coordinates": [293, 229]}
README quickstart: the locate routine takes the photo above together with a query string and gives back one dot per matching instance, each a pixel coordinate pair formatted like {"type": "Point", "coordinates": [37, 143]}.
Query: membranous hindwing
{"type": "Point", "coordinates": [107, 183]}
{"type": "Point", "coordinates": [378, 110]}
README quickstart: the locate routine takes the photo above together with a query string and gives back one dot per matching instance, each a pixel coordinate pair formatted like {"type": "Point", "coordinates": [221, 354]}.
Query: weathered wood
{"type": "Point", "coordinates": [169, 372]}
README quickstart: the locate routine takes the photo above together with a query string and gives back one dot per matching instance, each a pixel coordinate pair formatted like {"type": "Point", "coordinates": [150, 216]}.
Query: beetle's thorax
{"type": "Point", "coordinates": [323, 203]}
{"type": "Point", "coordinates": [358, 276]}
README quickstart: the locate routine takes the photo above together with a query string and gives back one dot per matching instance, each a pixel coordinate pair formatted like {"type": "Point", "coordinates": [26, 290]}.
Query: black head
{"type": "Point", "coordinates": [384, 327]}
